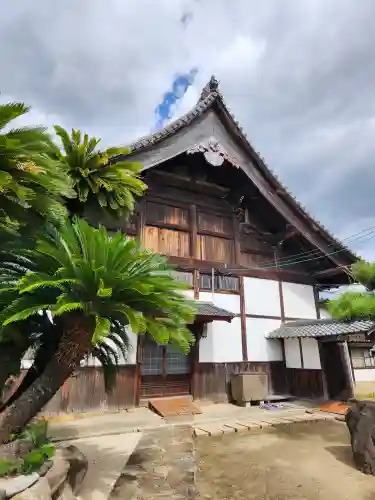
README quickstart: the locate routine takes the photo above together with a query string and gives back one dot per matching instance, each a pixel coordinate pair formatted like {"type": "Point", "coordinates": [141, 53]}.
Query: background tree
{"type": "Point", "coordinates": [104, 188]}
{"type": "Point", "coordinates": [33, 185]}
{"type": "Point", "coordinates": [357, 304]}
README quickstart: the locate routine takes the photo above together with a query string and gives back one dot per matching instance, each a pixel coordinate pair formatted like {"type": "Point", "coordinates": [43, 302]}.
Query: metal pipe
{"type": "Point", "coordinates": [213, 284]}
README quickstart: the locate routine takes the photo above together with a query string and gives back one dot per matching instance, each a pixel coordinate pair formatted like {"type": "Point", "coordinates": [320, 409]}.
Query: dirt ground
{"type": "Point", "coordinates": [300, 462]}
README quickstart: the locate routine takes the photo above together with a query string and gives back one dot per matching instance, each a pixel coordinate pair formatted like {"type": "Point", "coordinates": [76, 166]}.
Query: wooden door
{"type": "Point", "coordinates": [164, 370]}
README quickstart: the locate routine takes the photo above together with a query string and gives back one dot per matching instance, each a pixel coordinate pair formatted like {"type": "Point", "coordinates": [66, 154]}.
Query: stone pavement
{"type": "Point", "coordinates": [221, 416]}
{"type": "Point", "coordinates": [107, 457]}
{"type": "Point", "coordinates": [163, 466]}
{"type": "Point", "coordinates": [151, 472]}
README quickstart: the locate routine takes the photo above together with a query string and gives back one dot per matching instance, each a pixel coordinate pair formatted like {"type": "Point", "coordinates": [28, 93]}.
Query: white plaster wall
{"type": "Point", "coordinates": [310, 353]}
{"type": "Point", "coordinates": [364, 375]}
{"type": "Point", "coordinates": [131, 357]}
{"type": "Point", "coordinates": [188, 293]}
{"type": "Point", "coordinates": [230, 302]}
{"type": "Point", "coordinates": [262, 297]}
{"type": "Point", "coordinates": [292, 353]}
{"type": "Point", "coordinates": [324, 314]}
{"type": "Point", "coordinates": [299, 301]}
{"type": "Point", "coordinates": [223, 343]}
{"type": "Point", "coordinates": [259, 348]}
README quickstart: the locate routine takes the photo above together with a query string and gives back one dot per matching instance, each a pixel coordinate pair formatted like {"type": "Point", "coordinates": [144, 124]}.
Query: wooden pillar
{"type": "Point", "coordinates": [237, 259]}
{"type": "Point", "coordinates": [197, 330]}
{"type": "Point", "coordinates": [316, 297]}
{"type": "Point", "coordinates": [141, 221]}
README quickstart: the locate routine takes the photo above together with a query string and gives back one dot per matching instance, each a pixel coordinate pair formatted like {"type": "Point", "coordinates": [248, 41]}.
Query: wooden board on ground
{"type": "Point", "coordinates": [335, 407]}
{"type": "Point", "coordinates": [173, 407]}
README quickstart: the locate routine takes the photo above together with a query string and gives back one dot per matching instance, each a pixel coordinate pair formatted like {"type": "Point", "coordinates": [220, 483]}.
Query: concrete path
{"type": "Point", "coordinates": [107, 458]}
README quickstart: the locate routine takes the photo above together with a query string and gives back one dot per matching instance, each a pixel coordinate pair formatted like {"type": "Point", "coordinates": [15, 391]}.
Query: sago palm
{"type": "Point", "coordinates": [89, 280]}
{"type": "Point", "coordinates": [102, 186]}
{"type": "Point", "coordinates": [32, 183]}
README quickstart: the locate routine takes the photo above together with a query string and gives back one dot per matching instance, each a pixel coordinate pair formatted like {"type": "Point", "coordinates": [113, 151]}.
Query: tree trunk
{"type": "Point", "coordinates": [41, 359]}
{"type": "Point", "coordinates": [360, 419]}
{"type": "Point", "coordinates": [10, 363]}
{"type": "Point", "coordinates": [75, 343]}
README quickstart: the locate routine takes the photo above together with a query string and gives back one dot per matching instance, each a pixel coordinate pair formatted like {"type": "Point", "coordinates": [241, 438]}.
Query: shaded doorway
{"type": "Point", "coordinates": [164, 370]}
{"type": "Point", "coordinates": [336, 370]}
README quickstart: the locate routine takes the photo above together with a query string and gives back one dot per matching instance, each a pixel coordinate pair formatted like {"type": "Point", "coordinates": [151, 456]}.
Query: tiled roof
{"type": "Point", "coordinates": [209, 96]}
{"type": "Point", "coordinates": [209, 310]}
{"type": "Point", "coordinates": [320, 328]}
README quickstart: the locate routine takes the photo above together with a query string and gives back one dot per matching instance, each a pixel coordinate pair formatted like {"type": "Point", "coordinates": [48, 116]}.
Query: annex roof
{"type": "Point", "coordinates": [207, 311]}
{"type": "Point", "coordinates": [318, 328]}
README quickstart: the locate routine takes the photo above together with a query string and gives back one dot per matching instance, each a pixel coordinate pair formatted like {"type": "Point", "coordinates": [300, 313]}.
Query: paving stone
{"type": "Point", "coordinates": [212, 430]}
{"type": "Point", "coordinates": [252, 425]}
{"type": "Point", "coordinates": [200, 432]}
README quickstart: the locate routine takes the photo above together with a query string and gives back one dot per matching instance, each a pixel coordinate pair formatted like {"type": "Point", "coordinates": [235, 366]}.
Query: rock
{"type": "Point", "coordinates": [66, 493]}
{"type": "Point", "coordinates": [14, 485]}
{"type": "Point", "coordinates": [39, 491]}
{"type": "Point", "coordinates": [45, 468]}
{"type": "Point", "coordinates": [15, 449]}
{"type": "Point", "coordinates": [360, 420]}
{"type": "Point", "coordinates": [57, 474]}
{"type": "Point", "coordinates": [78, 466]}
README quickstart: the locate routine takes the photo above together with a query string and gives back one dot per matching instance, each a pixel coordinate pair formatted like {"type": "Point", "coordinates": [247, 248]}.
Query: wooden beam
{"type": "Point", "coordinates": [329, 272]}
{"type": "Point", "coordinates": [190, 264]}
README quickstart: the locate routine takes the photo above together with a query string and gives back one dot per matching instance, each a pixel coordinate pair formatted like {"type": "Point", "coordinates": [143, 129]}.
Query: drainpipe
{"type": "Point", "coordinates": [213, 284]}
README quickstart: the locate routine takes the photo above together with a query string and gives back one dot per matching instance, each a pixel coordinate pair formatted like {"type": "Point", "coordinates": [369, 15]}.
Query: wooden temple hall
{"type": "Point", "coordinates": [236, 236]}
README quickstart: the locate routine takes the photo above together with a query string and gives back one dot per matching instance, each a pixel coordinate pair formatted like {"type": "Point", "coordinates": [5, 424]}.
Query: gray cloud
{"type": "Point", "coordinates": [299, 76]}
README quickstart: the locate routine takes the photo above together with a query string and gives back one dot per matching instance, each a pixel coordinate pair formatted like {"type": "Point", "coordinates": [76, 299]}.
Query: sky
{"type": "Point", "coordinates": [299, 75]}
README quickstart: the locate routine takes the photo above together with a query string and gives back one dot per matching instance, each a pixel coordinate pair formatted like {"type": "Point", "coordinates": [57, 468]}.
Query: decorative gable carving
{"type": "Point", "coordinates": [214, 152]}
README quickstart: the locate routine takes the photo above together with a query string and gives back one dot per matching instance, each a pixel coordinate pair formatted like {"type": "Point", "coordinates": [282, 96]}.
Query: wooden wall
{"type": "Point", "coordinates": [84, 392]}
{"type": "Point", "coordinates": [213, 379]}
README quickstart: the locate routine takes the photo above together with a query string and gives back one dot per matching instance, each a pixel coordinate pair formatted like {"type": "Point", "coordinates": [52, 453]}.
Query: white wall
{"type": "Point", "coordinates": [223, 343]}
{"type": "Point", "coordinates": [364, 375]}
{"type": "Point", "coordinates": [262, 297]}
{"type": "Point", "coordinates": [228, 301]}
{"type": "Point", "coordinates": [310, 353]}
{"type": "Point", "coordinates": [131, 357]}
{"type": "Point", "coordinates": [324, 314]}
{"type": "Point", "coordinates": [292, 353]}
{"type": "Point", "coordinates": [259, 348]}
{"type": "Point", "coordinates": [299, 301]}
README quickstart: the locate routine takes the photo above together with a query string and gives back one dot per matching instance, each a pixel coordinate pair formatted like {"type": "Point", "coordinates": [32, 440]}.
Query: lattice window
{"type": "Point", "coordinates": [152, 359]}
{"type": "Point", "coordinates": [177, 363]}
{"type": "Point", "coordinates": [221, 283]}
{"type": "Point", "coordinates": [362, 358]}
{"type": "Point", "coordinates": [185, 276]}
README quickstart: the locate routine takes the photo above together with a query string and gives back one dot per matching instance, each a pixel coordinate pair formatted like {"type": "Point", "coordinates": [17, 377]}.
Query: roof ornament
{"type": "Point", "coordinates": [213, 152]}
{"type": "Point", "coordinates": [212, 86]}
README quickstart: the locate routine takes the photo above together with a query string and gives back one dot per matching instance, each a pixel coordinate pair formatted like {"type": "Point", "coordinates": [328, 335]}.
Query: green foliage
{"type": "Point", "coordinates": [36, 433]}
{"type": "Point", "coordinates": [32, 184]}
{"type": "Point", "coordinates": [101, 184]}
{"type": "Point", "coordinates": [41, 451]}
{"type": "Point", "coordinates": [355, 305]}
{"type": "Point", "coordinates": [109, 278]}
{"type": "Point", "coordinates": [9, 468]}
{"type": "Point", "coordinates": [34, 460]}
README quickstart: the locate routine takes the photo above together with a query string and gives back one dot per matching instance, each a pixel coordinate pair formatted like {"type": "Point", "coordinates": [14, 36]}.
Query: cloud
{"type": "Point", "coordinates": [299, 76]}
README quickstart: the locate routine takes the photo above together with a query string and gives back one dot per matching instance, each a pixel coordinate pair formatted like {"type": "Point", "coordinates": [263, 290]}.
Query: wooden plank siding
{"type": "Point", "coordinates": [84, 392]}
{"type": "Point", "coordinates": [213, 379]}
